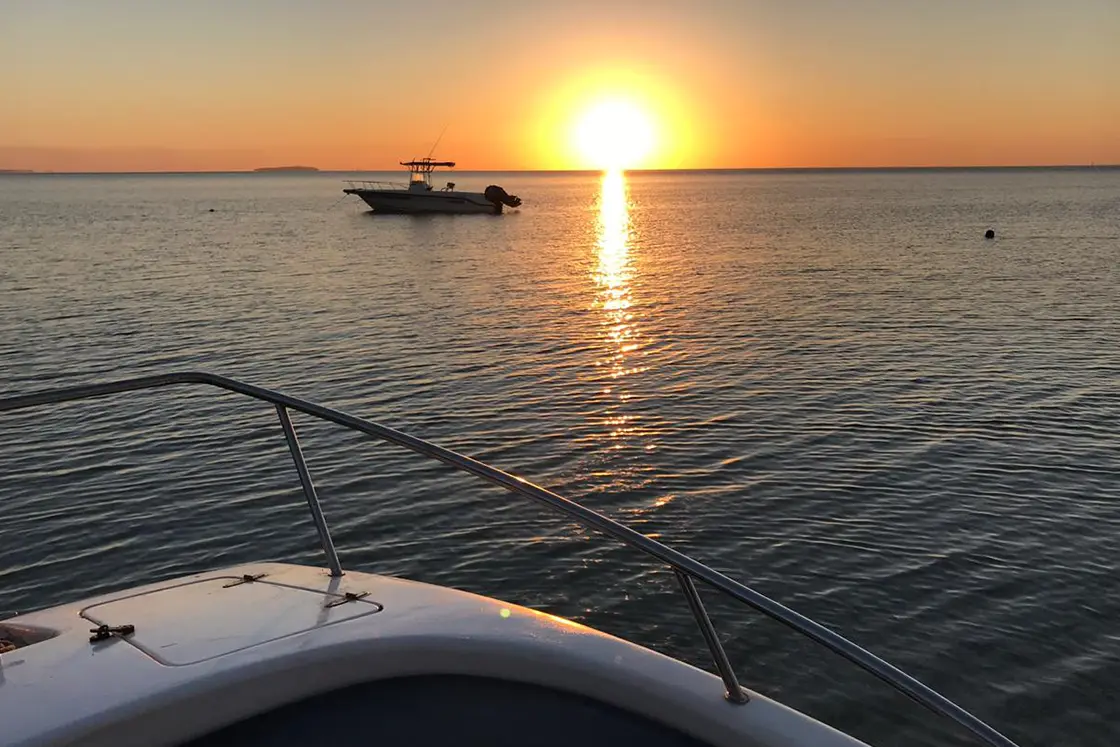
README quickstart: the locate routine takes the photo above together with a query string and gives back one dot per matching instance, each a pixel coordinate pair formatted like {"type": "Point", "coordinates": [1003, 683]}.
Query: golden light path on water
{"type": "Point", "coordinates": [623, 344]}
{"type": "Point", "coordinates": [613, 276]}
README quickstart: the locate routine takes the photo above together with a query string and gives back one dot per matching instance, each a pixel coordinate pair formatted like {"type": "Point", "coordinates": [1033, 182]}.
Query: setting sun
{"type": "Point", "coordinates": [614, 134]}
{"type": "Point", "coordinates": [609, 116]}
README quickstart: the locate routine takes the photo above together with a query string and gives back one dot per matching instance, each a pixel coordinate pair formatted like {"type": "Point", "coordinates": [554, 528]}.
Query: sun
{"type": "Point", "coordinates": [614, 134]}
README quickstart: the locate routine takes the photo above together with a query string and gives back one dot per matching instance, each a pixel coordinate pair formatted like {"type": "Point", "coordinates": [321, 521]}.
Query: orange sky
{"type": "Point", "coordinates": [120, 85]}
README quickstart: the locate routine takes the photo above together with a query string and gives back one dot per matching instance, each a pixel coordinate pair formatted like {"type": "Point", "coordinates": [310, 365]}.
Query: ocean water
{"type": "Point", "coordinates": [825, 384]}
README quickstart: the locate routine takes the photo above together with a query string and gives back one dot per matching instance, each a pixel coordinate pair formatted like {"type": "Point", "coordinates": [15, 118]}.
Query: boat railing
{"type": "Point", "coordinates": [686, 569]}
{"type": "Point", "coordinates": [373, 184]}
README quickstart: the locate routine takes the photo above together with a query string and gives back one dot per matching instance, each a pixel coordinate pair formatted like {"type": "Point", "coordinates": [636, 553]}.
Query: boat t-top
{"type": "Point", "coordinates": [419, 196]}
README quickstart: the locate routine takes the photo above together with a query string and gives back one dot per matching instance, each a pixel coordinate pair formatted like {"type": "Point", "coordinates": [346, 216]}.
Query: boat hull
{"type": "Point", "coordinates": [206, 652]}
{"type": "Point", "coordinates": [408, 202]}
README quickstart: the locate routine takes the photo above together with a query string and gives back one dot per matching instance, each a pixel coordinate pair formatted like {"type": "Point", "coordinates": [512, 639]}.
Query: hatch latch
{"type": "Point", "coordinates": [349, 596]}
{"type": "Point", "coordinates": [105, 632]}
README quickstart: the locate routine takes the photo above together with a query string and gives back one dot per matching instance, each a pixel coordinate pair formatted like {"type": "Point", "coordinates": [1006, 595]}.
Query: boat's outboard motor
{"type": "Point", "coordinates": [499, 196]}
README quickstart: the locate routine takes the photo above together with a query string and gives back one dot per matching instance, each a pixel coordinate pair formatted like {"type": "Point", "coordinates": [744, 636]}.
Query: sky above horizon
{"type": "Point", "coordinates": [138, 85]}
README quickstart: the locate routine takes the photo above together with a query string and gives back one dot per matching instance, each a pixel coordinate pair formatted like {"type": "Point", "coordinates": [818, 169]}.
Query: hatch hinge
{"type": "Point", "coordinates": [246, 579]}
{"type": "Point", "coordinates": [349, 596]}
{"type": "Point", "coordinates": [105, 632]}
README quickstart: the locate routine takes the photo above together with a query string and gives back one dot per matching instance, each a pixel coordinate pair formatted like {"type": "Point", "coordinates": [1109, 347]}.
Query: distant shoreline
{"type": "Point", "coordinates": [730, 170]}
{"type": "Point", "coordinates": [285, 168]}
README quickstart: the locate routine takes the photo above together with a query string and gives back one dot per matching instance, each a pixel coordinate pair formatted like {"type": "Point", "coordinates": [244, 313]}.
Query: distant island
{"type": "Point", "coordinates": [287, 168]}
{"type": "Point", "coordinates": [16, 171]}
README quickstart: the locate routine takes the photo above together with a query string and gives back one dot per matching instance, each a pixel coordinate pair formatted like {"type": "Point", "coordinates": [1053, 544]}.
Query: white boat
{"type": "Point", "coordinates": [419, 197]}
{"type": "Point", "coordinates": [281, 654]}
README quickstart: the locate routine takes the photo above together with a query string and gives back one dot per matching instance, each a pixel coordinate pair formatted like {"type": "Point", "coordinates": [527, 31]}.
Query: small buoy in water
{"type": "Point", "coordinates": [989, 234]}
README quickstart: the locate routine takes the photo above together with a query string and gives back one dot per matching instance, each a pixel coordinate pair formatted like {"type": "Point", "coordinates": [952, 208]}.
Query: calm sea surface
{"type": "Point", "coordinates": [827, 385]}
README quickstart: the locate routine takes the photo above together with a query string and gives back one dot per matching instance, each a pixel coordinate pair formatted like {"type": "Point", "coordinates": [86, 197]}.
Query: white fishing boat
{"type": "Point", "coordinates": [418, 196]}
{"type": "Point", "coordinates": [279, 654]}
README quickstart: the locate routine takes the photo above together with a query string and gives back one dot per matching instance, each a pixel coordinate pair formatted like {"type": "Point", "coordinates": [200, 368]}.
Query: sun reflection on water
{"type": "Point", "coordinates": [622, 429]}
{"type": "Point", "coordinates": [613, 276]}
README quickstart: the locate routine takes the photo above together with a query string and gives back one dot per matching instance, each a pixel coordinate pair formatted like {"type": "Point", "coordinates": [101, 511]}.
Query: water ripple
{"type": "Point", "coordinates": [827, 385]}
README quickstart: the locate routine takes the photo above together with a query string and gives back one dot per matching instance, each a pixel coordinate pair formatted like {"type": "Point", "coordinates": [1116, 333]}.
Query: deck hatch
{"type": "Point", "coordinates": [200, 620]}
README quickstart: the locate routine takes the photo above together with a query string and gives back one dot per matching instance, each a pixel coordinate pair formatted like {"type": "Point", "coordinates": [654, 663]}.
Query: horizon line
{"type": "Point", "coordinates": [273, 171]}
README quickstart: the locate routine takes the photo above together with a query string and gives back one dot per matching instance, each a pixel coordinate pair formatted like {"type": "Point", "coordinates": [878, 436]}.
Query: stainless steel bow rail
{"type": "Point", "coordinates": [686, 569]}
{"type": "Point", "coordinates": [374, 184]}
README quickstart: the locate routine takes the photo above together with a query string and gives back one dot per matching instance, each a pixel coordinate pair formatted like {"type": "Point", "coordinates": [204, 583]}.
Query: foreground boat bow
{"type": "Point", "coordinates": [214, 670]}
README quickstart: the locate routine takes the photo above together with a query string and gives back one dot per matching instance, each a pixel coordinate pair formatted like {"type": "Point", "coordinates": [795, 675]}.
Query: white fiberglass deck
{"type": "Point", "coordinates": [212, 649]}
